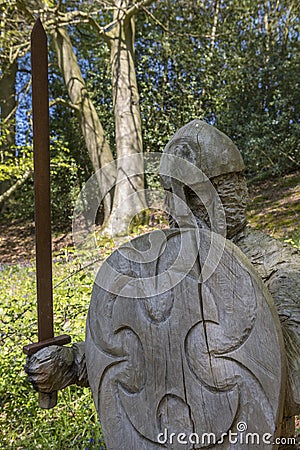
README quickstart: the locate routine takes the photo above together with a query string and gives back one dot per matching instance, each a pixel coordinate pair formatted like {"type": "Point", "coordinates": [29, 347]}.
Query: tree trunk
{"type": "Point", "coordinates": [129, 198]}
{"type": "Point", "coordinates": [212, 44]}
{"type": "Point", "coordinates": [9, 192]}
{"type": "Point", "coordinates": [8, 120]}
{"type": "Point", "coordinates": [98, 148]}
{"type": "Point", "coordinates": [8, 104]}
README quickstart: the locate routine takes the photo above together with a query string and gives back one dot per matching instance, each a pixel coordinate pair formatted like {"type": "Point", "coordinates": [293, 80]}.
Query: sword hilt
{"type": "Point", "coordinates": [30, 349]}
{"type": "Point", "coordinates": [46, 400]}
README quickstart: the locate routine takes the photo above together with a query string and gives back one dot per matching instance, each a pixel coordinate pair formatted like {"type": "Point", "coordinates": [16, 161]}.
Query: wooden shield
{"type": "Point", "coordinates": [177, 360]}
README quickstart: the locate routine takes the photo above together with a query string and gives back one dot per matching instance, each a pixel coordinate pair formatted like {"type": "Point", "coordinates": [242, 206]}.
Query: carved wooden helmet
{"type": "Point", "coordinates": [217, 158]}
{"type": "Point", "coordinates": [206, 147]}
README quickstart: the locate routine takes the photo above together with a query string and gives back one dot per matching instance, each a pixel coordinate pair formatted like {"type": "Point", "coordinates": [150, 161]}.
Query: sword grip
{"type": "Point", "coordinates": [47, 401]}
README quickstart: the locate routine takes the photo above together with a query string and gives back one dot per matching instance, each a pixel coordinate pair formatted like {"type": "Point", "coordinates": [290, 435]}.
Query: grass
{"type": "Point", "coordinates": [73, 424]}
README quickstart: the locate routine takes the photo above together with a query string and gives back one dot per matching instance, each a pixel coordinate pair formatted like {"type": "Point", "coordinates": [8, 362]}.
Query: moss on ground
{"type": "Point", "coordinates": [275, 207]}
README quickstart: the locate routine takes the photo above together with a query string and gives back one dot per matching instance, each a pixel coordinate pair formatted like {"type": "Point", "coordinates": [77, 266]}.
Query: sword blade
{"type": "Point", "coordinates": [42, 206]}
{"type": "Point", "coordinates": [41, 148]}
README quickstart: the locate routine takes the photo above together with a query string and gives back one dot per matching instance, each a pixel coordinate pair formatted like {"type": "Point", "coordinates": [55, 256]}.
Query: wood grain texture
{"type": "Point", "coordinates": [279, 266]}
{"type": "Point", "coordinates": [190, 358]}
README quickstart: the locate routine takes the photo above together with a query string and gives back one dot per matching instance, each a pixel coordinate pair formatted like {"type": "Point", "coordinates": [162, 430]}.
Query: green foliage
{"type": "Point", "coordinates": [66, 182]}
{"type": "Point", "coordinates": [243, 79]}
{"type": "Point", "coordinates": [20, 206]}
{"type": "Point", "coordinates": [73, 424]}
{"type": "Point", "coordinates": [294, 240]}
{"type": "Point", "coordinates": [15, 162]}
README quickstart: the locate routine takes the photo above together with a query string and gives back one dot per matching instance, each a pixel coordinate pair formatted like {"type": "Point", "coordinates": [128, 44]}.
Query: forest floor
{"type": "Point", "coordinates": [274, 208]}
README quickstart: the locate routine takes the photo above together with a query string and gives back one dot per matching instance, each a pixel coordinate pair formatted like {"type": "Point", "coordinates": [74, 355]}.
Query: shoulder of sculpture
{"type": "Point", "coordinates": [267, 244]}
{"type": "Point", "coordinates": [273, 259]}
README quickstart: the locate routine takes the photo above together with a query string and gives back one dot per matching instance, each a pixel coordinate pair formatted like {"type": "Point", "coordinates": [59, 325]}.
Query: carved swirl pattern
{"type": "Point", "coordinates": [198, 358]}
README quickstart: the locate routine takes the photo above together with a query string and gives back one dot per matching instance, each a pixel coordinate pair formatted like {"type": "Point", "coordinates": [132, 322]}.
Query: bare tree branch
{"type": "Point", "coordinates": [24, 91]}
{"type": "Point", "coordinates": [136, 7]}
{"type": "Point", "coordinates": [28, 13]}
{"type": "Point", "coordinates": [167, 30]}
{"type": "Point", "coordinates": [64, 102]}
{"type": "Point", "coordinates": [15, 186]}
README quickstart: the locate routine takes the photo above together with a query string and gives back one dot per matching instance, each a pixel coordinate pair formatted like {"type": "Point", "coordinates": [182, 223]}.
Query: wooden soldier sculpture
{"type": "Point", "coordinates": [276, 262]}
{"type": "Point", "coordinates": [183, 343]}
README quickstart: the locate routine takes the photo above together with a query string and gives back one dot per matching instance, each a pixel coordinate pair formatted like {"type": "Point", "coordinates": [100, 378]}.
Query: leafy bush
{"type": "Point", "coordinates": [66, 177]}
